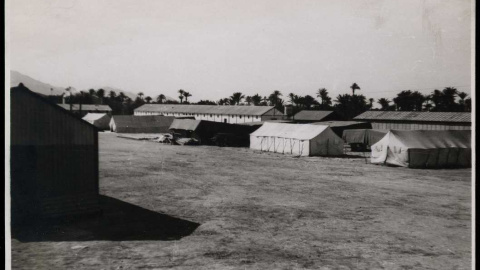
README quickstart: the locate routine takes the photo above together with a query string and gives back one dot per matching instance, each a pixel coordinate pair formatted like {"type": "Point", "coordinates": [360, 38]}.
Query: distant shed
{"type": "Point", "coordinates": [100, 120]}
{"type": "Point", "coordinates": [54, 160]}
{"type": "Point", "coordinates": [340, 126]}
{"type": "Point", "coordinates": [310, 116]}
{"type": "Point", "coordinates": [400, 120]}
{"type": "Point", "coordinates": [140, 124]}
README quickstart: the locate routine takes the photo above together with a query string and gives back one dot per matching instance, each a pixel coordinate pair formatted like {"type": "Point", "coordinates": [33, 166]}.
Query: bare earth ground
{"type": "Point", "coordinates": [202, 207]}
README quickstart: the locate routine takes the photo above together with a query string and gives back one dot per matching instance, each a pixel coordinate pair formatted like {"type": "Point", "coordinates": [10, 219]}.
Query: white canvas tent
{"type": "Point", "coordinates": [424, 149]}
{"type": "Point", "coordinates": [297, 139]}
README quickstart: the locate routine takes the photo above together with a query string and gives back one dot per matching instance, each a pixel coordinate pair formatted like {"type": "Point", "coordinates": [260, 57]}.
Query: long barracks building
{"type": "Point", "coordinates": [216, 113]}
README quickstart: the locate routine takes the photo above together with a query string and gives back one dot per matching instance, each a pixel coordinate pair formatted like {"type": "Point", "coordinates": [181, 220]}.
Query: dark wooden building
{"type": "Point", "coordinates": [308, 116]}
{"type": "Point", "coordinates": [417, 120]}
{"type": "Point", "coordinates": [54, 160]}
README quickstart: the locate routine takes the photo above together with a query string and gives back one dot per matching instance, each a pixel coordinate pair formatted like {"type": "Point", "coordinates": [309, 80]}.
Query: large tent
{"type": "Point", "coordinates": [364, 136]}
{"type": "Point", "coordinates": [424, 149]}
{"type": "Point", "coordinates": [100, 120]}
{"type": "Point", "coordinates": [297, 139]}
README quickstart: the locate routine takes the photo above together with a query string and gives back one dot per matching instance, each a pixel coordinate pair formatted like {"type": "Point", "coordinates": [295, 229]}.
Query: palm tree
{"type": "Point", "coordinates": [161, 98]}
{"type": "Point", "coordinates": [248, 99]}
{"type": "Point", "coordinates": [354, 87]}
{"type": "Point", "coordinates": [122, 96]}
{"type": "Point", "coordinates": [181, 95]}
{"type": "Point", "coordinates": [462, 96]}
{"type": "Point", "coordinates": [322, 93]}
{"type": "Point", "coordinates": [237, 97]}
{"type": "Point", "coordinates": [101, 94]}
{"type": "Point", "coordinates": [186, 95]}
{"type": "Point", "coordinates": [112, 94]}
{"type": "Point", "coordinates": [148, 99]}
{"type": "Point", "coordinates": [140, 94]}
{"type": "Point", "coordinates": [274, 97]}
{"type": "Point", "coordinates": [292, 98]}
{"type": "Point", "coordinates": [371, 102]}
{"type": "Point", "coordinates": [256, 99]}
{"type": "Point", "coordinates": [385, 103]}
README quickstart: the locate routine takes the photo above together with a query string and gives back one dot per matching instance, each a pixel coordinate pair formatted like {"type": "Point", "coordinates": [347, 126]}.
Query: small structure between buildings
{"type": "Point", "coordinates": [339, 126]}
{"type": "Point", "coordinates": [363, 139]}
{"type": "Point", "coordinates": [100, 120]}
{"type": "Point", "coordinates": [424, 149]}
{"type": "Point", "coordinates": [297, 139]}
{"type": "Point", "coordinates": [140, 124]}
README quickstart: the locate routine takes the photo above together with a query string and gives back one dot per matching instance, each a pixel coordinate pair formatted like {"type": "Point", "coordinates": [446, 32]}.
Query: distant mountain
{"type": "Point", "coordinates": [36, 86]}
{"type": "Point", "coordinates": [44, 88]}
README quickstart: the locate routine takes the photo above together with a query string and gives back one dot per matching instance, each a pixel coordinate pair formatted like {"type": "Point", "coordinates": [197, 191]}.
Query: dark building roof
{"type": "Point", "coordinates": [206, 109]}
{"type": "Point", "coordinates": [87, 107]}
{"type": "Point", "coordinates": [306, 115]}
{"type": "Point", "coordinates": [146, 121]}
{"type": "Point", "coordinates": [456, 117]}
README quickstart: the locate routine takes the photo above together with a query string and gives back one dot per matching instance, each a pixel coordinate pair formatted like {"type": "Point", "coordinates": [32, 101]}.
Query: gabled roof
{"type": "Point", "coordinates": [290, 131]}
{"type": "Point", "coordinates": [185, 124]}
{"type": "Point", "coordinates": [42, 98]}
{"type": "Point", "coordinates": [433, 139]}
{"type": "Point", "coordinates": [87, 107]}
{"type": "Point", "coordinates": [206, 109]}
{"type": "Point", "coordinates": [306, 115]}
{"type": "Point", "coordinates": [458, 117]}
{"type": "Point", "coordinates": [93, 116]}
{"type": "Point", "coordinates": [142, 121]}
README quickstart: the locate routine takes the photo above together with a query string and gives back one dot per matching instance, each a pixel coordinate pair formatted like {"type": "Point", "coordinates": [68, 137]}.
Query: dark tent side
{"type": "Point", "coordinates": [204, 131]}
{"type": "Point", "coordinates": [363, 136]}
{"type": "Point", "coordinates": [424, 149]}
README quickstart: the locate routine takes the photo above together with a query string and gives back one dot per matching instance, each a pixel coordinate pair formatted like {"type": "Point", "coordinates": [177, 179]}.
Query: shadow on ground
{"type": "Point", "coordinates": [120, 221]}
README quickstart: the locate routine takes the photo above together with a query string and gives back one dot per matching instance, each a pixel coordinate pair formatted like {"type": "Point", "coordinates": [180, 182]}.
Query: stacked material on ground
{"type": "Point", "coordinates": [140, 124]}
{"type": "Point", "coordinates": [297, 139]}
{"type": "Point", "coordinates": [424, 149]}
{"type": "Point", "coordinates": [205, 131]}
{"type": "Point", "coordinates": [100, 120]}
{"type": "Point", "coordinates": [340, 126]}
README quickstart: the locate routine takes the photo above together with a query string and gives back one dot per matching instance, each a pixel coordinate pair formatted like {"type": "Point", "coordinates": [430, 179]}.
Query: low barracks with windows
{"type": "Point", "coordinates": [216, 113]}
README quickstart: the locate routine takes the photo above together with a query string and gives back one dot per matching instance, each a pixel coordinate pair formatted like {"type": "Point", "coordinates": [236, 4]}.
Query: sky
{"type": "Point", "coordinates": [212, 48]}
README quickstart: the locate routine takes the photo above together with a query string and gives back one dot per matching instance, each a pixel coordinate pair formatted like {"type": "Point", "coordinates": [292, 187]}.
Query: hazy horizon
{"type": "Point", "coordinates": [214, 48]}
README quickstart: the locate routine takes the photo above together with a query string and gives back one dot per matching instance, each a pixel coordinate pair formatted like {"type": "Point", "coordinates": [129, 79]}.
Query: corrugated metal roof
{"type": "Point", "coordinates": [463, 117]}
{"type": "Point", "coordinates": [291, 131]}
{"type": "Point", "coordinates": [312, 115]}
{"type": "Point", "coordinates": [87, 107]}
{"type": "Point", "coordinates": [142, 121]}
{"type": "Point", "coordinates": [340, 123]}
{"type": "Point", "coordinates": [206, 109]}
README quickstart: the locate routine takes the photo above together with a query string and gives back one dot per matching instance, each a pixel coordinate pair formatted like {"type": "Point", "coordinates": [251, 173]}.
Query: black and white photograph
{"type": "Point", "coordinates": [229, 134]}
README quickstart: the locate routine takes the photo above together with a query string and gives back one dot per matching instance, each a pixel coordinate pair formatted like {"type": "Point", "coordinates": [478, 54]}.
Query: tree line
{"type": "Point", "coordinates": [348, 105]}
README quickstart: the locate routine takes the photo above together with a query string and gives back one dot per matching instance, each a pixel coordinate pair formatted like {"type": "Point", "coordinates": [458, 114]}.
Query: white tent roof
{"type": "Point", "coordinates": [290, 131]}
{"type": "Point", "coordinates": [93, 116]}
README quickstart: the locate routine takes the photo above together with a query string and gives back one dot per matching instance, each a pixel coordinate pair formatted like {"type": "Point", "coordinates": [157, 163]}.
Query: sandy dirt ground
{"type": "Point", "coordinates": [203, 207]}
